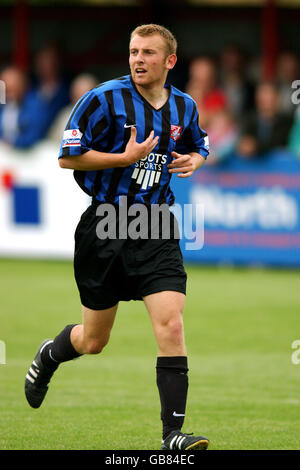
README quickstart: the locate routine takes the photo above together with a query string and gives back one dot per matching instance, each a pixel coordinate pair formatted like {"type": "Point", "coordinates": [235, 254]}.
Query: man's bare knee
{"type": "Point", "coordinates": [95, 346]}
{"type": "Point", "coordinates": [175, 327]}
{"type": "Point", "coordinates": [172, 322]}
{"type": "Point", "coordinates": [171, 329]}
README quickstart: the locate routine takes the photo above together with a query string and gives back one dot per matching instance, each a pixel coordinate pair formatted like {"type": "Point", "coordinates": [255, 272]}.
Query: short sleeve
{"type": "Point", "coordinates": [87, 125]}
{"type": "Point", "coordinates": [194, 139]}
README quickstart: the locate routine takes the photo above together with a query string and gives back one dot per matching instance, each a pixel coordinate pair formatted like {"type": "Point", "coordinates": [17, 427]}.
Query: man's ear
{"type": "Point", "coordinates": [171, 61]}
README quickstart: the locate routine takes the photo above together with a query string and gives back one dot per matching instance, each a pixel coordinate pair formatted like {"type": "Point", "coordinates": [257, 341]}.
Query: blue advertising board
{"type": "Point", "coordinates": [251, 211]}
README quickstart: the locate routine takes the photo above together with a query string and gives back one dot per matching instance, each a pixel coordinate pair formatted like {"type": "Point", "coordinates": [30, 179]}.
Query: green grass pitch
{"type": "Point", "coordinates": [239, 326]}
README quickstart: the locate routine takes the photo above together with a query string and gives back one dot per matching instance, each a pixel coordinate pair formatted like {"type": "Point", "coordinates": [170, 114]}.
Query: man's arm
{"type": "Point", "coordinates": [94, 160]}
{"type": "Point", "coordinates": [194, 147]}
{"type": "Point", "coordinates": [186, 164]}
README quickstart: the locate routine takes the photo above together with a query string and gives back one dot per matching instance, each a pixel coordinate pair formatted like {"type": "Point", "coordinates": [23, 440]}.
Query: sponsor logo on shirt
{"type": "Point", "coordinates": [72, 138]}
{"type": "Point", "coordinates": [148, 170]}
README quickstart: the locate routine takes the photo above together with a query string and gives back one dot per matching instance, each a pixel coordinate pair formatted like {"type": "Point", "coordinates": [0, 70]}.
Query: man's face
{"type": "Point", "coordinates": [148, 60]}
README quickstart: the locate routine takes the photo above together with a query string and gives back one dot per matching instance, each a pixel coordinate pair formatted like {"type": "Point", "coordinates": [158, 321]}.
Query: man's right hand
{"type": "Point", "coordinates": [135, 151]}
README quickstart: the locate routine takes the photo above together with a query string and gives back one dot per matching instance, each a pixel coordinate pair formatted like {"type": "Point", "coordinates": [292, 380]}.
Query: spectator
{"type": "Point", "coordinates": [234, 82]}
{"type": "Point", "coordinates": [22, 121]}
{"type": "Point", "coordinates": [267, 128]}
{"type": "Point", "coordinates": [223, 135]}
{"type": "Point", "coordinates": [288, 70]}
{"type": "Point", "coordinates": [51, 89]}
{"type": "Point", "coordinates": [202, 86]}
{"type": "Point", "coordinates": [80, 85]}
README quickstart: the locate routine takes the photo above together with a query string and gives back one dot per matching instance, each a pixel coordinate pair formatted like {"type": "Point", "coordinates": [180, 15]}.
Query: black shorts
{"type": "Point", "coordinates": [110, 270]}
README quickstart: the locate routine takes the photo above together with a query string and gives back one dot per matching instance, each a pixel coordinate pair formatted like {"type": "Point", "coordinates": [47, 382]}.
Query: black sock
{"type": "Point", "coordinates": [60, 350]}
{"type": "Point", "coordinates": [172, 382]}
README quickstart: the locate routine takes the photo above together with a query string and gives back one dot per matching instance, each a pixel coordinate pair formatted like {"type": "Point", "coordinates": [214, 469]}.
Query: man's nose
{"type": "Point", "coordinates": [140, 57]}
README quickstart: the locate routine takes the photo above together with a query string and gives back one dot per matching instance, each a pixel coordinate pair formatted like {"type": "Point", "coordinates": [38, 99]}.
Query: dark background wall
{"type": "Point", "coordinates": [95, 39]}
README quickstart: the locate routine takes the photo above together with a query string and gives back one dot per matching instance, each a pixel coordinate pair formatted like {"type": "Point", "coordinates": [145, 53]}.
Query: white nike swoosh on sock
{"type": "Point", "coordinates": [177, 414]}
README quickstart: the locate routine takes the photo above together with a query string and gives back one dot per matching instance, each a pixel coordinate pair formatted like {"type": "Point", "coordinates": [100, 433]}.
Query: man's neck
{"type": "Point", "coordinates": [156, 95]}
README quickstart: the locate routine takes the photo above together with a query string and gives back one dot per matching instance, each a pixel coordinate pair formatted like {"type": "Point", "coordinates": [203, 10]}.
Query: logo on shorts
{"type": "Point", "coordinates": [148, 171]}
{"type": "Point", "coordinates": [175, 132]}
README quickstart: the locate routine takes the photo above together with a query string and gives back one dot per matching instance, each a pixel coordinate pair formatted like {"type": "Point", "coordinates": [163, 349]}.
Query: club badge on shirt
{"type": "Point", "coordinates": [175, 132]}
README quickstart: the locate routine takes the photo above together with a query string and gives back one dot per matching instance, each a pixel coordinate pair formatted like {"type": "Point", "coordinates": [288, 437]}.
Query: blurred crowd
{"type": "Point", "coordinates": [38, 104]}
{"type": "Point", "coordinates": [242, 114]}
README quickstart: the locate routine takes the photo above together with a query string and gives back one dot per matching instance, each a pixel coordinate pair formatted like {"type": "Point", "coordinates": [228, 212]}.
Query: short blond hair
{"type": "Point", "coordinates": [150, 29]}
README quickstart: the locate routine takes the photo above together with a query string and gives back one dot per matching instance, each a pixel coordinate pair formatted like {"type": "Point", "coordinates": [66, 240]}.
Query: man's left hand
{"type": "Point", "coordinates": [185, 165]}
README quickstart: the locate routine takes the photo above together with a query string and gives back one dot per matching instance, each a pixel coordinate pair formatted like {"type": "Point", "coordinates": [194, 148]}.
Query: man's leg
{"type": "Point", "coordinates": [93, 334]}
{"type": "Point", "coordinates": [90, 337]}
{"type": "Point", "coordinates": [165, 310]}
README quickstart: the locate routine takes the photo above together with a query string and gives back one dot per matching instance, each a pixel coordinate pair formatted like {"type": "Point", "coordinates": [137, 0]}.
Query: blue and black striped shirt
{"type": "Point", "coordinates": [101, 121]}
